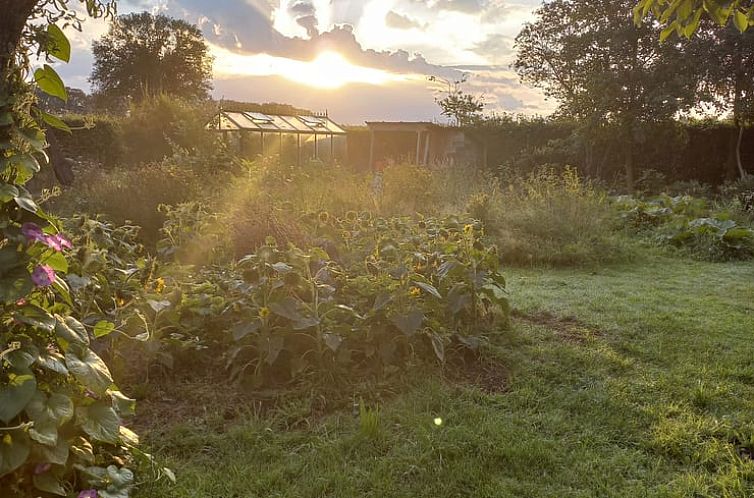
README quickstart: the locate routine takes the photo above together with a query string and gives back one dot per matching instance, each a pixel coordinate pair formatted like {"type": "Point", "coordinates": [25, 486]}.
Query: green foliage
{"type": "Point", "coordinates": [369, 421]}
{"type": "Point", "coordinates": [608, 73]}
{"type": "Point", "coordinates": [161, 125]}
{"type": "Point", "coordinates": [133, 194]}
{"type": "Point", "coordinates": [549, 218]}
{"type": "Point", "coordinates": [689, 224]}
{"type": "Point", "coordinates": [145, 55]}
{"type": "Point", "coordinates": [684, 17]}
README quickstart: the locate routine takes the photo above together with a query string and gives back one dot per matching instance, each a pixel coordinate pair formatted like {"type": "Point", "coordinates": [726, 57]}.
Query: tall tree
{"type": "Point", "coordinates": [604, 69]}
{"type": "Point", "coordinates": [725, 59]}
{"type": "Point", "coordinates": [143, 55]}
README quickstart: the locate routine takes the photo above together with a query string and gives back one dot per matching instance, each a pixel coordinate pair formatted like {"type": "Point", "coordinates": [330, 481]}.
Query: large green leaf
{"type": "Point", "coordinates": [103, 328]}
{"type": "Point", "coordinates": [57, 454]}
{"type": "Point", "coordinates": [88, 368]}
{"type": "Point", "coordinates": [50, 83]}
{"type": "Point", "coordinates": [48, 483]}
{"type": "Point", "coordinates": [431, 289]}
{"type": "Point", "coordinates": [14, 450]}
{"type": "Point", "coordinates": [71, 331]}
{"type": "Point", "coordinates": [16, 394]}
{"type": "Point", "coordinates": [56, 407]}
{"type": "Point", "coordinates": [99, 421]}
{"type": "Point", "coordinates": [7, 192]}
{"type": "Point", "coordinates": [48, 413]}
{"type": "Point", "coordinates": [58, 45]}
{"type": "Point", "coordinates": [408, 323]}
{"type": "Point", "coordinates": [55, 122]}
{"type": "Point", "coordinates": [53, 361]}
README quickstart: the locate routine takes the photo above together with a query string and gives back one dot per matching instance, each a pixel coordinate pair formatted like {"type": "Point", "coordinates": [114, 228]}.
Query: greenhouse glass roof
{"type": "Point", "coordinates": [257, 121]}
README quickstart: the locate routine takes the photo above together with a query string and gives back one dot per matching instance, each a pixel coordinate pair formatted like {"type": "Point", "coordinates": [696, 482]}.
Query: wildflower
{"type": "Point", "coordinates": [7, 439]}
{"type": "Point", "coordinates": [41, 468]}
{"type": "Point", "coordinates": [468, 229]}
{"type": "Point", "coordinates": [264, 312]}
{"type": "Point", "coordinates": [21, 302]}
{"type": "Point", "coordinates": [57, 242]}
{"type": "Point", "coordinates": [159, 285]}
{"type": "Point", "coordinates": [438, 421]}
{"type": "Point", "coordinates": [42, 276]}
{"type": "Point", "coordinates": [88, 493]}
{"type": "Point", "coordinates": [32, 232]}
{"type": "Point", "coordinates": [414, 292]}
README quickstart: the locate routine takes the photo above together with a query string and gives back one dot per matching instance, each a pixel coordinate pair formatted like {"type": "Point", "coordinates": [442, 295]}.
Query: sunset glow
{"type": "Point", "coordinates": [329, 70]}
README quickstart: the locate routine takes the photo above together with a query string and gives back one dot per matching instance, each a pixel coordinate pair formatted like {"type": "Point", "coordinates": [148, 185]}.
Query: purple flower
{"type": "Point", "coordinates": [42, 276]}
{"type": "Point", "coordinates": [57, 242]}
{"type": "Point", "coordinates": [32, 232]}
{"type": "Point", "coordinates": [41, 468]}
{"type": "Point", "coordinates": [88, 493]}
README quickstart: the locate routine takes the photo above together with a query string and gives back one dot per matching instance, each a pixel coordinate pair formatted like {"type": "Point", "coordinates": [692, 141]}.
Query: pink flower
{"type": "Point", "coordinates": [32, 232]}
{"type": "Point", "coordinates": [57, 242]}
{"type": "Point", "coordinates": [42, 276]}
{"type": "Point", "coordinates": [21, 302]}
{"type": "Point", "coordinates": [41, 468]}
{"type": "Point", "coordinates": [88, 493]}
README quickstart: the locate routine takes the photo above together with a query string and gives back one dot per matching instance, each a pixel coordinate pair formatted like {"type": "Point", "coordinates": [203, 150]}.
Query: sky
{"type": "Point", "coordinates": [359, 60]}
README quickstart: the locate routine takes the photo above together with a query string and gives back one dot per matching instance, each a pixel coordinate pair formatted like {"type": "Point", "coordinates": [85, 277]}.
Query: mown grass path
{"type": "Point", "coordinates": [626, 381]}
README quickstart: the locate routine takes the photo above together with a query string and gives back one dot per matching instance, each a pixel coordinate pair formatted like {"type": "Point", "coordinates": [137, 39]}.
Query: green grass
{"type": "Point", "coordinates": [654, 399]}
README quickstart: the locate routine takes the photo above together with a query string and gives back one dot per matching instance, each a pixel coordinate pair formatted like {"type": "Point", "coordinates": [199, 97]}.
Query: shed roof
{"type": "Point", "coordinates": [401, 125]}
{"type": "Point", "coordinates": [259, 122]}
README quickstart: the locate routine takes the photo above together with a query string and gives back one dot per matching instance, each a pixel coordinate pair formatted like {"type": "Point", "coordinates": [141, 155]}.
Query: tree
{"type": "Point", "coordinates": [725, 59]}
{"type": "Point", "coordinates": [458, 105]}
{"type": "Point", "coordinates": [604, 70]}
{"type": "Point", "coordinates": [684, 17]}
{"type": "Point", "coordinates": [144, 56]}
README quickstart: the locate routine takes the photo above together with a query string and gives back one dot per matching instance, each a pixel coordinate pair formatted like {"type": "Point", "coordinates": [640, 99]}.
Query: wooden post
{"type": "Point", "coordinates": [426, 147]}
{"type": "Point", "coordinates": [316, 147]}
{"type": "Point", "coordinates": [371, 150]}
{"type": "Point", "coordinates": [332, 149]}
{"type": "Point", "coordinates": [418, 144]}
{"type": "Point", "coordinates": [298, 149]}
{"type": "Point", "coordinates": [280, 146]}
{"type": "Point", "coordinates": [262, 137]}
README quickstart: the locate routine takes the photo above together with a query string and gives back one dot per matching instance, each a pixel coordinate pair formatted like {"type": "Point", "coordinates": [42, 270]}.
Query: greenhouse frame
{"type": "Point", "coordinates": [267, 125]}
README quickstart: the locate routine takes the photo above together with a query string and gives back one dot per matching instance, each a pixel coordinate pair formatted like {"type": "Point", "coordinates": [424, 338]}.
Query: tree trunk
{"type": "Point", "coordinates": [13, 17]}
{"type": "Point", "coordinates": [735, 167]}
{"type": "Point", "coordinates": [629, 165]}
{"type": "Point", "coordinates": [12, 22]}
{"type": "Point", "coordinates": [741, 170]}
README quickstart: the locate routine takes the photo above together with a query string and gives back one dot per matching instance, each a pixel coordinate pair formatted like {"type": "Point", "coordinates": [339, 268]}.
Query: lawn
{"type": "Point", "coordinates": [632, 380]}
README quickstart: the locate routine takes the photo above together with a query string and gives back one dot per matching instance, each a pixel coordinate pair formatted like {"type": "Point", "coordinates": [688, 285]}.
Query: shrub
{"type": "Point", "coordinates": [691, 224]}
{"type": "Point", "coordinates": [551, 218]}
{"type": "Point", "coordinates": [133, 194]}
{"type": "Point", "coordinates": [711, 239]}
{"type": "Point", "coordinates": [157, 125]}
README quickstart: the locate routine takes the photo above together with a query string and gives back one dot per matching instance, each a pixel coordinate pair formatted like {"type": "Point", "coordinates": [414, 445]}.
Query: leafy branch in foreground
{"type": "Point", "coordinates": [683, 17]}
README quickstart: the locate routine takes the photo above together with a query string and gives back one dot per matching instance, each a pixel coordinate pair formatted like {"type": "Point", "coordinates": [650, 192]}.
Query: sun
{"type": "Point", "coordinates": [329, 70]}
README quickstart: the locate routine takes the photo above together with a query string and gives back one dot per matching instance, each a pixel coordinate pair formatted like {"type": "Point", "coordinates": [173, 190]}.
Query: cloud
{"type": "Point", "coordinates": [247, 28]}
{"type": "Point", "coordinates": [398, 21]}
{"type": "Point", "coordinates": [496, 48]}
{"type": "Point", "coordinates": [305, 15]}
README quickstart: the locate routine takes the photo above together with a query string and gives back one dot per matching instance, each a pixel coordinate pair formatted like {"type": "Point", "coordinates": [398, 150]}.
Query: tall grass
{"type": "Point", "coordinates": [551, 218]}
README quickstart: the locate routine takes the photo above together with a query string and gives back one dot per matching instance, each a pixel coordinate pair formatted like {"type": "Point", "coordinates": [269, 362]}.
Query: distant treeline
{"type": "Point", "coordinates": [693, 150]}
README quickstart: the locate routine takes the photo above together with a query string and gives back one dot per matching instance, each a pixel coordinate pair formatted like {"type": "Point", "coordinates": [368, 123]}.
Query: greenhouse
{"type": "Point", "coordinates": [305, 137]}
